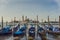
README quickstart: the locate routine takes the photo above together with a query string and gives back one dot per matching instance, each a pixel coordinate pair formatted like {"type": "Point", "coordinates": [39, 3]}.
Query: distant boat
{"type": "Point", "coordinates": [6, 30]}
{"type": "Point", "coordinates": [32, 32]}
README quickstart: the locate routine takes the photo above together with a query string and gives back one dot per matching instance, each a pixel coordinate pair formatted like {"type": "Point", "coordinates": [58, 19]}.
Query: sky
{"type": "Point", "coordinates": [16, 8]}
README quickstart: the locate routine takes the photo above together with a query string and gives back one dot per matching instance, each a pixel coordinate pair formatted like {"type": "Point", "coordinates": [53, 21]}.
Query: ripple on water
{"type": "Point", "coordinates": [6, 37]}
{"type": "Point", "coordinates": [10, 38]}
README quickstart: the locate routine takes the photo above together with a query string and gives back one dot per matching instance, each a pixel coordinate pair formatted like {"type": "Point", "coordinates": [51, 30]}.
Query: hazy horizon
{"type": "Point", "coordinates": [16, 8]}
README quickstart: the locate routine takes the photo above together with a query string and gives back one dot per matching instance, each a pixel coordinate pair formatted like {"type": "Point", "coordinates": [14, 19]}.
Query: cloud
{"type": "Point", "coordinates": [3, 4]}
{"type": "Point", "coordinates": [29, 5]}
{"type": "Point", "coordinates": [40, 2]}
{"type": "Point", "coordinates": [43, 3]}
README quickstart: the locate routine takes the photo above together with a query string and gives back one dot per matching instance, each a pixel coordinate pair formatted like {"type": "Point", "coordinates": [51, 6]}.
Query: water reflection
{"type": "Point", "coordinates": [20, 38]}
{"type": "Point", "coordinates": [48, 37]}
{"type": "Point", "coordinates": [6, 37]}
{"type": "Point", "coordinates": [52, 37]}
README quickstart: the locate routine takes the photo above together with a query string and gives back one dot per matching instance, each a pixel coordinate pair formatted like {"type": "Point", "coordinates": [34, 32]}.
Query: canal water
{"type": "Point", "coordinates": [49, 37]}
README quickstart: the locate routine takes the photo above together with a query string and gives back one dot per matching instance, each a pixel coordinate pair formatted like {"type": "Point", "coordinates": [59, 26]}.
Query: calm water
{"type": "Point", "coordinates": [8, 37]}
{"type": "Point", "coordinates": [49, 37]}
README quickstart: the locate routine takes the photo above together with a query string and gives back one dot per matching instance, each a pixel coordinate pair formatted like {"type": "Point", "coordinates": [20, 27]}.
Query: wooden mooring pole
{"type": "Point", "coordinates": [22, 18]}
{"type": "Point", "coordinates": [14, 20]}
{"type": "Point", "coordinates": [2, 21]}
{"type": "Point", "coordinates": [59, 21]}
{"type": "Point", "coordinates": [25, 17]}
{"type": "Point", "coordinates": [6, 23]}
{"type": "Point", "coordinates": [36, 28]}
{"type": "Point", "coordinates": [48, 21]}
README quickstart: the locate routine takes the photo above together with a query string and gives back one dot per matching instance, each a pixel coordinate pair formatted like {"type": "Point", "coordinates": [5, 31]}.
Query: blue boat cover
{"type": "Point", "coordinates": [7, 27]}
{"type": "Point", "coordinates": [56, 29]}
{"type": "Point", "coordinates": [32, 30]}
{"type": "Point", "coordinates": [23, 28]}
{"type": "Point", "coordinates": [5, 30]}
{"type": "Point", "coordinates": [51, 28]}
{"type": "Point", "coordinates": [40, 29]}
{"type": "Point", "coordinates": [18, 32]}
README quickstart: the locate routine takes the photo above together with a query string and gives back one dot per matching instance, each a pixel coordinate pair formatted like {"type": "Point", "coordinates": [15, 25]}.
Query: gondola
{"type": "Point", "coordinates": [54, 31]}
{"type": "Point", "coordinates": [20, 31]}
{"type": "Point", "coordinates": [41, 31]}
{"type": "Point", "coordinates": [32, 32]}
{"type": "Point", "coordinates": [16, 28]}
{"type": "Point", "coordinates": [6, 30]}
{"type": "Point", "coordinates": [23, 28]}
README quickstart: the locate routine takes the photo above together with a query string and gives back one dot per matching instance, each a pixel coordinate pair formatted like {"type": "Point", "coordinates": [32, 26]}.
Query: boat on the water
{"type": "Point", "coordinates": [6, 30]}
{"type": "Point", "coordinates": [20, 31]}
{"type": "Point", "coordinates": [16, 28]}
{"type": "Point", "coordinates": [41, 31]}
{"type": "Point", "coordinates": [32, 32]}
{"type": "Point", "coordinates": [53, 30]}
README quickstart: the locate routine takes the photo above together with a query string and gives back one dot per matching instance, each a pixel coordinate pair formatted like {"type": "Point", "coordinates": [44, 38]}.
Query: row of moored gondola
{"type": "Point", "coordinates": [17, 31]}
